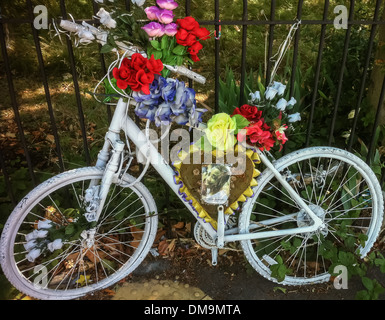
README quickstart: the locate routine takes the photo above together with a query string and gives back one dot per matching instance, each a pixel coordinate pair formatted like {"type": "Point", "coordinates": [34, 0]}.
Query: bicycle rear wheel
{"type": "Point", "coordinates": [50, 251]}
{"type": "Point", "coordinates": [340, 188]}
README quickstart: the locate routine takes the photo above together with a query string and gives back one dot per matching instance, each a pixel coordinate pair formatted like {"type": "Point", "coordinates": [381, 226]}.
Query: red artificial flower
{"type": "Point", "coordinates": [258, 134]}
{"type": "Point", "coordinates": [251, 113]}
{"type": "Point", "coordinates": [194, 57]}
{"type": "Point", "coordinates": [185, 38]}
{"type": "Point", "coordinates": [189, 34]}
{"type": "Point", "coordinates": [137, 72]}
{"type": "Point", "coordinates": [154, 65]}
{"type": "Point", "coordinates": [188, 23]}
{"type": "Point", "coordinates": [201, 33]}
{"type": "Point", "coordinates": [194, 49]}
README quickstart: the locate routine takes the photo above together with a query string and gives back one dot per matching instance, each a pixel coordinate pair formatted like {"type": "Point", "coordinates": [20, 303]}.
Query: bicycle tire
{"type": "Point", "coordinates": [115, 253]}
{"type": "Point", "coordinates": [271, 201]}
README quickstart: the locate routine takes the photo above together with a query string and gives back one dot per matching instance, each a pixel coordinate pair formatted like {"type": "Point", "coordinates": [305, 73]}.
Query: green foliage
{"type": "Point", "coordinates": [279, 270]}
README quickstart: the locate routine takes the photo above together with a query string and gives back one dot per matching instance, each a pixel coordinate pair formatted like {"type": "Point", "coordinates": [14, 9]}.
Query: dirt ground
{"type": "Point", "coordinates": [189, 275]}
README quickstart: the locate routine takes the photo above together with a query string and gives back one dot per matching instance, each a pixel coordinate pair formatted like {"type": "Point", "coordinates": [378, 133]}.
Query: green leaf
{"type": "Point", "coordinates": [164, 43]}
{"type": "Point", "coordinates": [155, 44]}
{"type": "Point", "coordinates": [179, 50]}
{"type": "Point", "coordinates": [368, 283]}
{"type": "Point", "coordinates": [70, 229]}
{"type": "Point", "coordinates": [157, 55]}
{"type": "Point", "coordinates": [241, 122]}
{"type": "Point", "coordinates": [106, 48]}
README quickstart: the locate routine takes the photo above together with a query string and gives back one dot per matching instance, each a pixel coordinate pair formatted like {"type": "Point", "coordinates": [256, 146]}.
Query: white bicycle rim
{"type": "Point", "coordinates": [262, 264]}
{"type": "Point", "coordinates": [9, 265]}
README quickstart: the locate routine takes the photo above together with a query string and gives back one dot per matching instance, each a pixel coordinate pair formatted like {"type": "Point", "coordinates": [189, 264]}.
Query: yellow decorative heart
{"type": "Point", "coordinates": [188, 176]}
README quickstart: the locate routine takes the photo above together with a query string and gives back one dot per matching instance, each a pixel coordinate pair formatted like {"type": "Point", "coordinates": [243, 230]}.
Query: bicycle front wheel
{"type": "Point", "coordinates": [50, 251]}
{"type": "Point", "coordinates": [342, 191]}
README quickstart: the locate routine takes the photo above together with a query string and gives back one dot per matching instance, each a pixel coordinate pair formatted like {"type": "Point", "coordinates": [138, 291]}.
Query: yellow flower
{"type": "Point", "coordinates": [220, 131]}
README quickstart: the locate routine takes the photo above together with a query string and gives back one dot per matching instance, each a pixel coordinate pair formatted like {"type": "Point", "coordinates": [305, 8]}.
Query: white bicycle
{"type": "Point", "coordinates": [85, 229]}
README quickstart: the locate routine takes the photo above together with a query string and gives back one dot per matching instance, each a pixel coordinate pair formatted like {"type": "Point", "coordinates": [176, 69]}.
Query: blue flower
{"type": "Point", "coordinates": [146, 111]}
{"type": "Point", "coordinates": [169, 89]}
{"type": "Point", "coordinates": [163, 114]}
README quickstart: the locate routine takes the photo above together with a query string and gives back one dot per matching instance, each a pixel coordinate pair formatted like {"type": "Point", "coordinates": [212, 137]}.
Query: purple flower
{"type": "Point", "coordinates": [165, 16]}
{"type": "Point", "coordinates": [154, 29]}
{"type": "Point", "coordinates": [167, 4]}
{"type": "Point", "coordinates": [152, 12]}
{"type": "Point", "coordinates": [171, 29]}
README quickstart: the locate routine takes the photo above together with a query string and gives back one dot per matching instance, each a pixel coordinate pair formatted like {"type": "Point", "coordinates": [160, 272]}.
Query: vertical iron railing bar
{"type": "Point", "coordinates": [7, 180]}
{"type": "Point", "coordinates": [14, 104]}
{"type": "Point", "coordinates": [364, 74]}
{"type": "Point", "coordinates": [76, 87]}
{"type": "Point", "coordinates": [128, 5]}
{"type": "Point", "coordinates": [243, 54]}
{"type": "Point", "coordinates": [271, 39]}
{"type": "Point", "coordinates": [295, 51]}
{"type": "Point", "coordinates": [342, 71]}
{"type": "Point", "coordinates": [95, 9]}
{"type": "Point", "coordinates": [317, 73]}
{"type": "Point", "coordinates": [376, 122]}
{"type": "Point", "coordinates": [217, 62]}
{"type": "Point", "coordinates": [40, 59]}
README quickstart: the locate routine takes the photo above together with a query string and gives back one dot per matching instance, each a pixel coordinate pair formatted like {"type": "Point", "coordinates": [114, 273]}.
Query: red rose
{"type": "Point", "coordinates": [185, 38]}
{"type": "Point", "coordinates": [154, 65]}
{"type": "Point", "coordinates": [188, 23]}
{"type": "Point", "coordinates": [194, 49]}
{"type": "Point", "coordinates": [194, 57]}
{"type": "Point", "coordinates": [143, 81]}
{"type": "Point", "coordinates": [201, 33]}
{"type": "Point", "coordinates": [259, 134]}
{"type": "Point", "coordinates": [137, 72]}
{"type": "Point", "coordinates": [251, 113]}
{"type": "Point", "coordinates": [138, 62]}
{"type": "Point", "coordinates": [122, 76]}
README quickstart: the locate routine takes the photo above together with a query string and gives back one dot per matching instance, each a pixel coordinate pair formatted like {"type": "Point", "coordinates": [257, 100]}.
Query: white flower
{"type": "Point", "coordinates": [30, 236]}
{"type": "Point", "coordinates": [41, 233]}
{"type": "Point", "coordinates": [30, 244]}
{"type": "Point", "coordinates": [44, 224]}
{"type": "Point", "coordinates": [55, 245]}
{"type": "Point", "coordinates": [33, 254]}
{"type": "Point", "coordinates": [294, 117]}
{"type": "Point", "coordinates": [139, 2]}
{"type": "Point", "coordinates": [292, 102]}
{"type": "Point", "coordinates": [86, 35]}
{"type": "Point", "coordinates": [105, 19]}
{"type": "Point", "coordinates": [281, 104]}
{"type": "Point", "coordinates": [270, 93]}
{"type": "Point", "coordinates": [256, 96]}
{"type": "Point", "coordinates": [279, 87]}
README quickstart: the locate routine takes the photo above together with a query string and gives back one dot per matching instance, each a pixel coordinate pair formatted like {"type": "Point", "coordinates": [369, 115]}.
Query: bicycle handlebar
{"type": "Point", "coordinates": [88, 33]}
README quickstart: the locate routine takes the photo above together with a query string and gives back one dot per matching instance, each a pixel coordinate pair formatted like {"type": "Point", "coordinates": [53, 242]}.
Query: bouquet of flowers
{"type": "Point", "coordinates": [155, 44]}
{"type": "Point", "coordinates": [264, 121]}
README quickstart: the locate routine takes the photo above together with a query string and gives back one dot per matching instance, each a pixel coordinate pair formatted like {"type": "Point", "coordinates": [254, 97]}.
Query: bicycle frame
{"type": "Point", "coordinates": [122, 121]}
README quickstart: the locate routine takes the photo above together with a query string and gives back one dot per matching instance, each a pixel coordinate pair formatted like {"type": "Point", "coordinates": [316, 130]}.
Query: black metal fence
{"type": "Point", "coordinates": [245, 23]}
